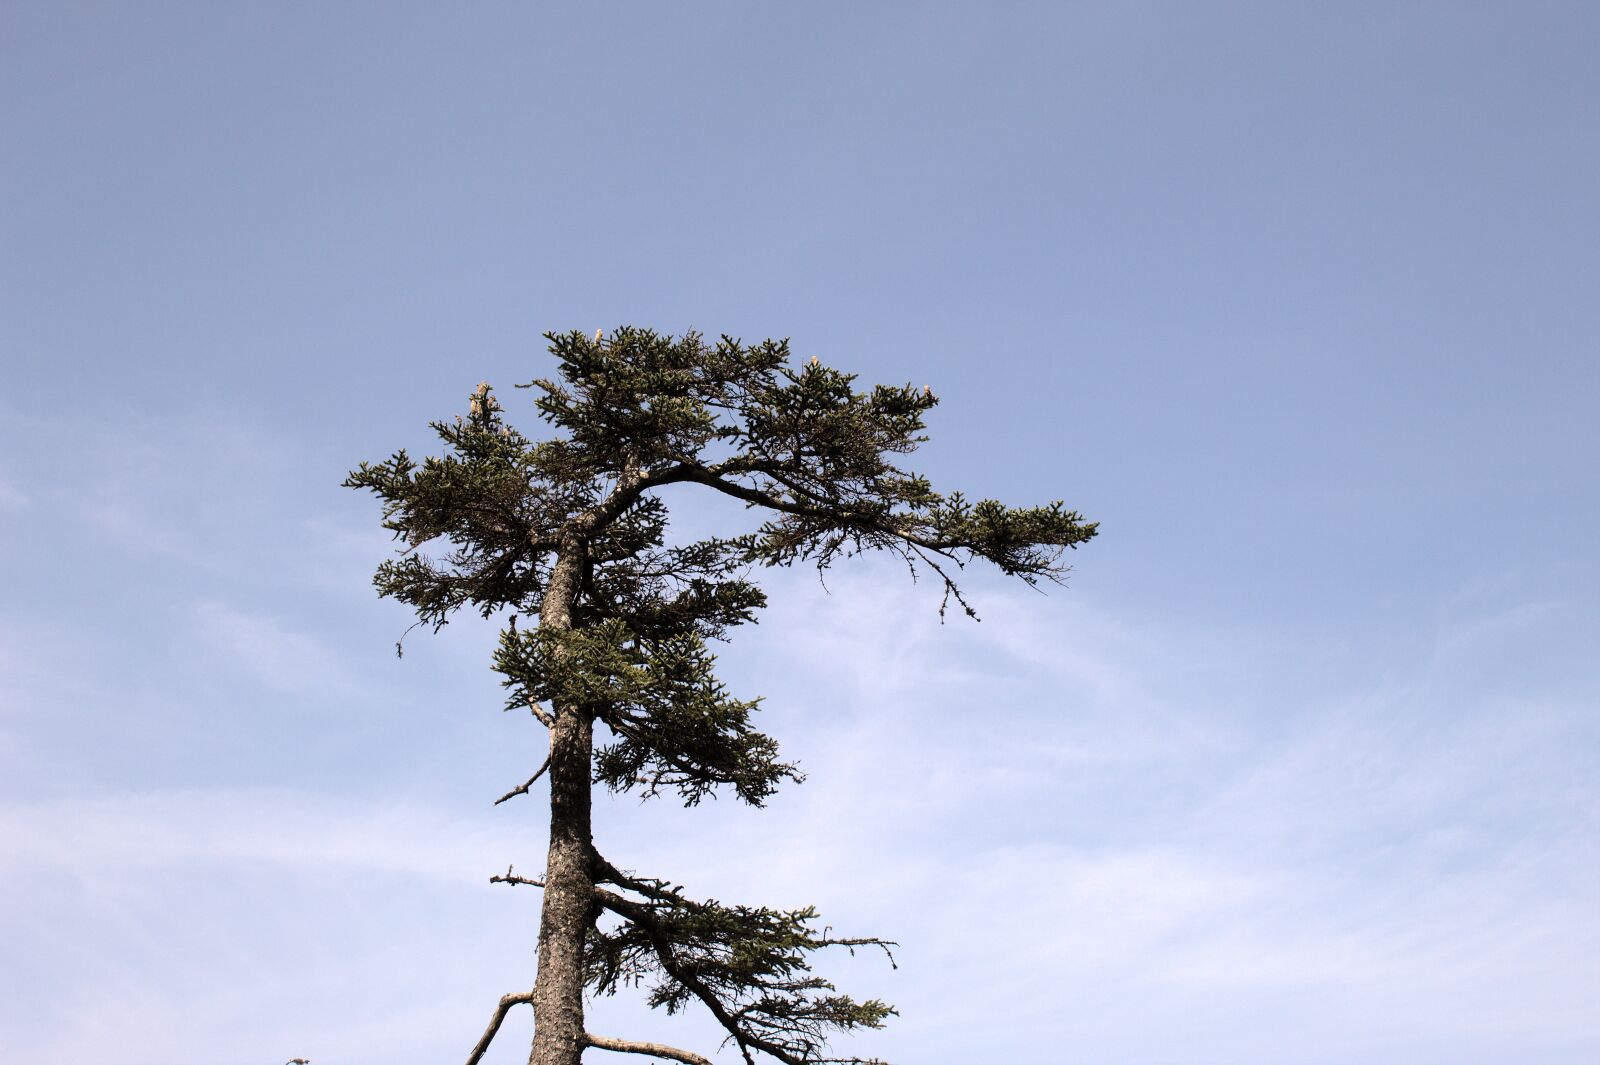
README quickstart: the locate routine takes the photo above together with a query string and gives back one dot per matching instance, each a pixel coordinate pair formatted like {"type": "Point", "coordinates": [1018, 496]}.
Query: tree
{"type": "Point", "coordinates": [572, 531]}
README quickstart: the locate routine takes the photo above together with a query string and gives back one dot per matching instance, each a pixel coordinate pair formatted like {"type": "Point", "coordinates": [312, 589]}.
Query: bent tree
{"type": "Point", "coordinates": [571, 531]}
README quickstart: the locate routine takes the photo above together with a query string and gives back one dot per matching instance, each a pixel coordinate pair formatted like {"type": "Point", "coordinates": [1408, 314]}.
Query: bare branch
{"type": "Point", "coordinates": [500, 1011]}
{"type": "Point", "coordinates": [508, 878]}
{"type": "Point", "coordinates": [539, 712]}
{"type": "Point", "coordinates": [867, 941]}
{"type": "Point", "coordinates": [949, 585]}
{"type": "Point", "coordinates": [628, 1046]}
{"type": "Point", "coordinates": [523, 789]}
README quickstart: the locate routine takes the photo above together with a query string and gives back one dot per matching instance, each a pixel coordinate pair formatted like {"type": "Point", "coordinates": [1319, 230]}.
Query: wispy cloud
{"type": "Point", "coordinates": [195, 488]}
{"type": "Point", "coordinates": [269, 651]}
{"type": "Point", "coordinates": [280, 827]}
{"type": "Point", "coordinates": [1413, 846]}
{"type": "Point", "coordinates": [231, 925]}
{"type": "Point", "coordinates": [1116, 827]}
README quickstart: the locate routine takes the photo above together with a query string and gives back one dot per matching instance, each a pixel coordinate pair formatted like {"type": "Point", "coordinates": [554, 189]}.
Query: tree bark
{"type": "Point", "coordinates": [558, 1036]}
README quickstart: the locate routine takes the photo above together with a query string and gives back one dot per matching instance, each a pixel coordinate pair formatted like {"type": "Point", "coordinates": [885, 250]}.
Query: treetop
{"type": "Point", "coordinates": [639, 410]}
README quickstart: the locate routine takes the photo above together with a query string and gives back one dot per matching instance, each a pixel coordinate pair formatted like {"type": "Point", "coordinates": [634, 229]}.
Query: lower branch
{"type": "Point", "coordinates": [628, 1046]}
{"type": "Point", "coordinates": [500, 1011]}
{"type": "Point", "coordinates": [781, 1020]}
{"type": "Point", "coordinates": [641, 916]}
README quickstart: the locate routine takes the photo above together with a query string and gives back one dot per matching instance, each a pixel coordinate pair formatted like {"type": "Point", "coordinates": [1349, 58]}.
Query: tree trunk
{"type": "Point", "coordinates": [569, 883]}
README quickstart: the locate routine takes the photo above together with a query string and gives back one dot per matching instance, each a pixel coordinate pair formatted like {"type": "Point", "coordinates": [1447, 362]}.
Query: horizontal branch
{"type": "Point", "coordinates": [826, 512]}
{"type": "Point", "coordinates": [605, 872]}
{"type": "Point", "coordinates": [508, 878]}
{"type": "Point", "coordinates": [628, 1046]}
{"type": "Point", "coordinates": [523, 789]}
{"type": "Point", "coordinates": [865, 941]}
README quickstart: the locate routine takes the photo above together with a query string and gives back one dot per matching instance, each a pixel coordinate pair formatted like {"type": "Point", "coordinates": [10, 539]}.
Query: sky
{"type": "Point", "coordinates": [1301, 767]}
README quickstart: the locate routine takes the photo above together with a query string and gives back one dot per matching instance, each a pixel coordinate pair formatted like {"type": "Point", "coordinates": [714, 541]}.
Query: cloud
{"type": "Point", "coordinates": [199, 490]}
{"type": "Point", "coordinates": [268, 651]}
{"type": "Point", "coordinates": [1141, 820]}
{"type": "Point", "coordinates": [287, 828]}
{"type": "Point", "coordinates": [234, 924]}
{"type": "Point", "coordinates": [1095, 837]}
{"type": "Point", "coordinates": [132, 527]}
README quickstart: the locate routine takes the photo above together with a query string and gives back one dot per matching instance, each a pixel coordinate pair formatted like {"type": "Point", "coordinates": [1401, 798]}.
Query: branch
{"type": "Point", "coordinates": [949, 585]}
{"type": "Point", "coordinates": [523, 789]}
{"type": "Point", "coordinates": [865, 941]}
{"type": "Point", "coordinates": [624, 491]}
{"type": "Point", "coordinates": [507, 878]}
{"type": "Point", "coordinates": [646, 920]}
{"type": "Point", "coordinates": [658, 891]}
{"type": "Point", "coordinates": [669, 963]}
{"type": "Point", "coordinates": [547, 720]}
{"type": "Point", "coordinates": [544, 719]}
{"type": "Point", "coordinates": [756, 497]}
{"type": "Point", "coordinates": [647, 916]}
{"type": "Point", "coordinates": [628, 1046]}
{"type": "Point", "coordinates": [711, 479]}
{"type": "Point", "coordinates": [506, 1002]}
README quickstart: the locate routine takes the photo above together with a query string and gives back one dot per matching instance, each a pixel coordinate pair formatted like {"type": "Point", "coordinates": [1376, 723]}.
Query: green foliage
{"type": "Point", "coordinates": [485, 498]}
{"type": "Point", "coordinates": [673, 720]}
{"type": "Point", "coordinates": [803, 445]}
{"type": "Point", "coordinates": [748, 965]}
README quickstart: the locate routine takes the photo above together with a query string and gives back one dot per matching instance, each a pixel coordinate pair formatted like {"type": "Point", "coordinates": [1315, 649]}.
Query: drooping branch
{"type": "Point", "coordinates": [640, 915]}
{"type": "Point", "coordinates": [500, 1011]}
{"type": "Point", "coordinates": [628, 1046]}
{"type": "Point", "coordinates": [950, 587]}
{"type": "Point", "coordinates": [1026, 543]}
{"type": "Point", "coordinates": [746, 966]}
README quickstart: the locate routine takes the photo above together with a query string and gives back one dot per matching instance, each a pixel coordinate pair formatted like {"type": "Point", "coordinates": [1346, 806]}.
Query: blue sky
{"type": "Point", "coordinates": [1297, 300]}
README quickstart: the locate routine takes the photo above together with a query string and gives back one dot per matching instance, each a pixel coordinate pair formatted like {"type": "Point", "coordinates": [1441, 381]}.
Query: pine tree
{"type": "Point", "coordinates": [571, 531]}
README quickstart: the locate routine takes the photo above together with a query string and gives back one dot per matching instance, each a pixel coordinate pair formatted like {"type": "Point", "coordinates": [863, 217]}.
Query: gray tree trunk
{"type": "Point", "coordinates": [558, 1036]}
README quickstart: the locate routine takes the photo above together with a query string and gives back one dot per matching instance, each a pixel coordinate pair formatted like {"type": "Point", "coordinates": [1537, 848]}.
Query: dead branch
{"type": "Point", "coordinates": [508, 878]}
{"type": "Point", "coordinates": [523, 789]}
{"type": "Point", "coordinates": [868, 941]}
{"type": "Point", "coordinates": [628, 1046]}
{"type": "Point", "coordinates": [500, 1011]}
